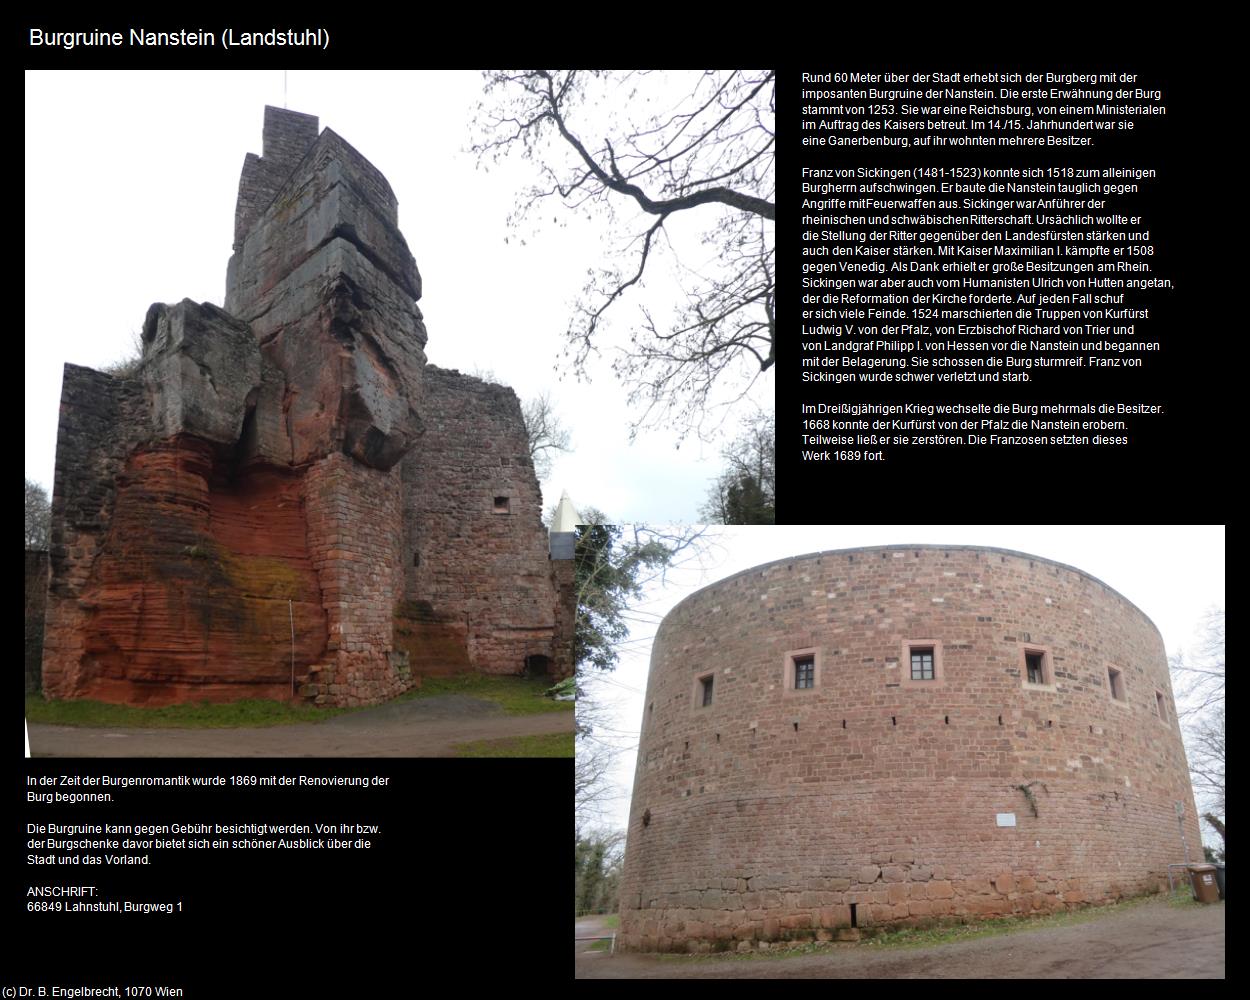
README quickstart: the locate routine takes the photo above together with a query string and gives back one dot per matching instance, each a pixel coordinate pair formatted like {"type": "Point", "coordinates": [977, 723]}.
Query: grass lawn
{"type": "Point", "coordinates": [516, 695]}
{"type": "Point", "coordinates": [543, 745]}
{"type": "Point", "coordinates": [198, 715]}
{"type": "Point", "coordinates": [916, 937]}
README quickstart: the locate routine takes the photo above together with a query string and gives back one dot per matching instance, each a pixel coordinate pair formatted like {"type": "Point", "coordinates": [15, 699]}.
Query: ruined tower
{"type": "Point", "coordinates": [285, 495]}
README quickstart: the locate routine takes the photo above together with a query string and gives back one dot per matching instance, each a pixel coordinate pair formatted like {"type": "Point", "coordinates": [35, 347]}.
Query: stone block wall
{"type": "Point", "coordinates": [772, 812]}
{"type": "Point", "coordinates": [287, 137]}
{"type": "Point", "coordinates": [353, 514]}
{"type": "Point", "coordinates": [102, 419]}
{"type": "Point", "coordinates": [475, 546]}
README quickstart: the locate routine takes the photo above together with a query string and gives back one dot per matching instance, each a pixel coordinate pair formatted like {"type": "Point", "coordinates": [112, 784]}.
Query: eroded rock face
{"type": "Point", "coordinates": [201, 367]}
{"type": "Point", "coordinates": [327, 282]}
{"type": "Point", "coordinates": [239, 518]}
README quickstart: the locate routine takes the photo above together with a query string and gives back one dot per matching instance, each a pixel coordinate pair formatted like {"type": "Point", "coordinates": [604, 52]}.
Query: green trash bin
{"type": "Point", "coordinates": [1202, 878]}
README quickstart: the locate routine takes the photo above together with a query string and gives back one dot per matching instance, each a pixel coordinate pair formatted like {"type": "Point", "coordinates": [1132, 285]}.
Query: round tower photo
{"type": "Point", "coordinates": [849, 739]}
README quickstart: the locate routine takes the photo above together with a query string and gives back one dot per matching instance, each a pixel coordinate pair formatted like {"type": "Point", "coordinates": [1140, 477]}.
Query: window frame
{"type": "Point", "coordinates": [789, 670]}
{"type": "Point", "coordinates": [1161, 710]}
{"type": "Point", "coordinates": [703, 684]}
{"type": "Point", "coordinates": [904, 664]}
{"type": "Point", "coordinates": [921, 653]}
{"type": "Point", "coordinates": [1048, 667]}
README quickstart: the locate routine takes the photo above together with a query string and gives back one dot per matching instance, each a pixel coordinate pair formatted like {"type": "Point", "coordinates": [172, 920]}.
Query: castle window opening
{"type": "Point", "coordinates": [920, 664]}
{"type": "Point", "coordinates": [501, 505]}
{"type": "Point", "coordinates": [537, 665]}
{"type": "Point", "coordinates": [1034, 661]}
{"type": "Point", "coordinates": [800, 670]}
{"type": "Point", "coordinates": [705, 691]}
{"type": "Point", "coordinates": [805, 672]}
{"type": "Point", "coordinates": [1115, 681]}
{"type": "Point", "coordinates": [1037, 668]}
{"type": "Point", "coordinates": [1161, 708]}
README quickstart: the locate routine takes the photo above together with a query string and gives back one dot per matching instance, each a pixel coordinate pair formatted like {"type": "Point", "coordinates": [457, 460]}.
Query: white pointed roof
{"type": "Point", "coordinates": [566, 518]}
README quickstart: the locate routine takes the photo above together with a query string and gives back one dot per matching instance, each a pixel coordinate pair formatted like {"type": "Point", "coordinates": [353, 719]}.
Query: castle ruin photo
{"type": "Point", "coordinates": [283, 499]}
{"type": "Point", "coordinates": [893, 735]}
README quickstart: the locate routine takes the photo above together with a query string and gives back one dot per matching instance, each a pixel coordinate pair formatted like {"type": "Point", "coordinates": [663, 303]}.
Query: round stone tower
{"type": "Point", "coordinates": [884, 735]}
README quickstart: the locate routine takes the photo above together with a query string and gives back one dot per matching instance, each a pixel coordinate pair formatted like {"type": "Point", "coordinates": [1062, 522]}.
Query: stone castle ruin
{"type": "Point", "coordinates": [285, 496]}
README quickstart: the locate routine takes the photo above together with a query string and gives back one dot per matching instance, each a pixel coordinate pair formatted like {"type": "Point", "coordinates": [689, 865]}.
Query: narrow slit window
{"type": "Point", "coordinates": [1115, 681]}
{"type": "Point", "coordinates": [705, 687]}
{"type": "Point", "coordinates": [1161, 706]}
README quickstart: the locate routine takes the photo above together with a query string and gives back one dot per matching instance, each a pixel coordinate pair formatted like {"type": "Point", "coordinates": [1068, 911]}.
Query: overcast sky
{"type": "Point", "coordinates": [1172, 573]}
{"type": "Point", "coordinates": [131, 180]}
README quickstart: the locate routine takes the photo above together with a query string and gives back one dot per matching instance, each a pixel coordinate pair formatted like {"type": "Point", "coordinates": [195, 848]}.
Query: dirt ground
{"type": "Point", "coordinates": [1151, 941]}
{"type": "Point", "coordinates": [427, 727]}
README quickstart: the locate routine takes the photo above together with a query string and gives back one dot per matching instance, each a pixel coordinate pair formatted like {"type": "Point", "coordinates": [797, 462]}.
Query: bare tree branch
{"type": "Point", "coordinates": [706, 155]}
{"type": "Point", "coordinates": [1199, 684]}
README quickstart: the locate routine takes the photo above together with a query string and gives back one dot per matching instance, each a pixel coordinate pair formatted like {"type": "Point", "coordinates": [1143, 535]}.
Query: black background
{"type": "Point", "coordinates": [468, 877]}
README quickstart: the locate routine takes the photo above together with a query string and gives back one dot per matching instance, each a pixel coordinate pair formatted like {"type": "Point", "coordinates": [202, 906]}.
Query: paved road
{"type": "Point", "coordinates": [1151, 941]}
{"type": "Point", "coordinates": [592, 926]}
{"type": "Point", "coordinates": [427, 727]}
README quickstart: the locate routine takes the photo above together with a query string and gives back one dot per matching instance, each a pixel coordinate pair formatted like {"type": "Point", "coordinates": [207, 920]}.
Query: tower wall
{"type": "Point", "coordinates": [777, 810]}
{"type": "Point", "coordinates": [483, 564]}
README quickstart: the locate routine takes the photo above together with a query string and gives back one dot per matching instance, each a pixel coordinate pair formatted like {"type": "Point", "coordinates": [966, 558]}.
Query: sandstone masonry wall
{"type": "Point", "coordinates": [102, 419]}
{"type": "Point", "coordinates": [287, 137]}
{"type": "Point", "coordinates": [774, 812]}
{"type": "Point", "coordinates": [459, 544]}
{"type": "Point", "coordinates": [353, 513]}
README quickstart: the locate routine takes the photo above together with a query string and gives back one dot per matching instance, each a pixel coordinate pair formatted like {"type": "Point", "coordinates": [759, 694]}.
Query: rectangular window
{"type": "Point", "coordinates": [1115, 681]}
{"type": "Point", "coordinates": [1161, 706]}
{"type": "Point", "coordinates": [805, 671]}
{"type": "Point", "coordinates": [920, 664]}
{"type": "Point", "coordinates": [1036, 668]}
{"type": "Point", "coordinates": [1034, 663]}
{"type": "Point", "coordinates": [706, 683]}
